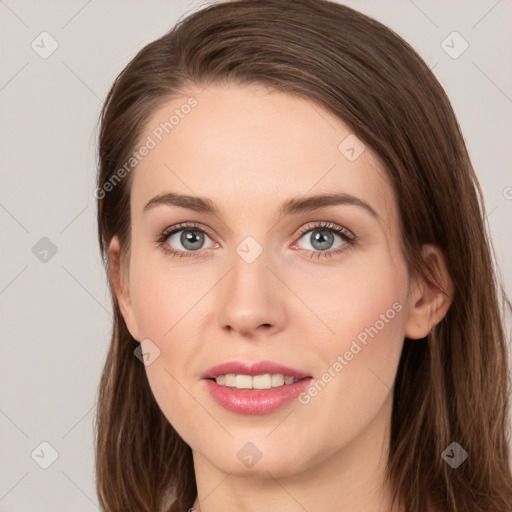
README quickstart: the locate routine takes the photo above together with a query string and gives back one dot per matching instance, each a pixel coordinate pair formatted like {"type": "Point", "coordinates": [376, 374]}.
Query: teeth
{"type": "Point", "coordinates": [277, 380]}
{"type": "Point", "coordinates": [243, 381]}
{"type": "Point", "coordinates": [230, 380]}
{"type": "Point", "coordinates": [265, 381]}
{"type": "Point", "coordinates": [261, 382]}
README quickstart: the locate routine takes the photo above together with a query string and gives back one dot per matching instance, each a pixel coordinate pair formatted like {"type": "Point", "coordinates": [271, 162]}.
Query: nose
{"type": "Point", "coordinates": [251, 300]}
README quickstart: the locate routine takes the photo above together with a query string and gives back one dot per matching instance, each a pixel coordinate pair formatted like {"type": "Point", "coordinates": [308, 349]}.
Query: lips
{"type": "Point", "coordinates": [254, 401]}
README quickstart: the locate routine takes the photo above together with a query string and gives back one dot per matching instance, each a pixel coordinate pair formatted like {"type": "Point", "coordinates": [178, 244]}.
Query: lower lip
{"type": "Point", "coordinates": [260, 401]}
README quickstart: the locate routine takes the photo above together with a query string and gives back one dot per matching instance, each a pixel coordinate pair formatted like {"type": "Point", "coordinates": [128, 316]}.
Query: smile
{"type": "Point", "coordinates": [258, 387]}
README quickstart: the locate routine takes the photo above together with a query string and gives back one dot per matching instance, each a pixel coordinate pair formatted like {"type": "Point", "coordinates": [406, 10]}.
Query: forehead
{"type": "Point", "coordinates": [250, 148]}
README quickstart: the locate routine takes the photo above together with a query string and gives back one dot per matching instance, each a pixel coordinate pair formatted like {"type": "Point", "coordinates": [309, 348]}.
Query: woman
{"type": "Point", "coordinates": [306, 314]}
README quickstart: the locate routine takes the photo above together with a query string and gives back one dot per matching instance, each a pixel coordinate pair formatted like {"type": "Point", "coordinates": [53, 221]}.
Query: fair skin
{"type": "Point", "coordinates": [249, 150]}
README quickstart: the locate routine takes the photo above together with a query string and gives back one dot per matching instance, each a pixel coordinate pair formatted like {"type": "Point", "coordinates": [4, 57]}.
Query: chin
{"type": "Point", "coordinates": [250, 461]}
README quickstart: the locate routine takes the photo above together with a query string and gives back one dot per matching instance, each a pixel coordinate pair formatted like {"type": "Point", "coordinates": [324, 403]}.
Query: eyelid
{"type": "Point", "coordinates": [326, 225]}
{"type": "Point", "coordinates": [187, 225]}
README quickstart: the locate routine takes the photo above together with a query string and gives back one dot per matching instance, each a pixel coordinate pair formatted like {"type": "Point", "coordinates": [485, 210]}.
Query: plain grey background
{"type": "Point", "coordinates": [55, 307]}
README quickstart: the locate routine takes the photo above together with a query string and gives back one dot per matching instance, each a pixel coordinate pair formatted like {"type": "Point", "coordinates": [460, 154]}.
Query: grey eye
{"type": "Point", "coordinates": [321, 239]}
{"type": "Point", "coordinates": [190, 239]}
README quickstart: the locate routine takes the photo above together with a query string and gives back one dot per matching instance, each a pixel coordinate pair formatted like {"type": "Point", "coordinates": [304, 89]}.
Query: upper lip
{"type": "Point", "coordinates": [254, 368]}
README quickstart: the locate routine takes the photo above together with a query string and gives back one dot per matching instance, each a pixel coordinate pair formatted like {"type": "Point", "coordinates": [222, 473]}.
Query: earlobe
{"type": "Point", "coordinates": [119, 284]}
{"type": "Point", "coordinates": [430, 299]}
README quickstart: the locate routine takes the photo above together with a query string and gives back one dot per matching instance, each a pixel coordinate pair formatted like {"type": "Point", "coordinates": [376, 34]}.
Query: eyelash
{"type": "Point", "coordinates": [349, 239]}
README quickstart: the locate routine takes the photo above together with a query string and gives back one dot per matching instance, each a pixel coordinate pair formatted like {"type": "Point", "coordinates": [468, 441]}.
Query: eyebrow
{"type": "Point", "coordinates": [291, 206]}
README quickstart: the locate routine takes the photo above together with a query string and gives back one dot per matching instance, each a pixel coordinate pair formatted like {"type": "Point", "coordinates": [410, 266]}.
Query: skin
{"type": "Point", "coordinates": [249, 149]}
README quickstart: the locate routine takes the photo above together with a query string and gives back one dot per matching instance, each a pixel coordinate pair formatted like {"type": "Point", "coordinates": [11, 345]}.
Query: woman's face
{"type": "Point", "coordinates": [265, 279]}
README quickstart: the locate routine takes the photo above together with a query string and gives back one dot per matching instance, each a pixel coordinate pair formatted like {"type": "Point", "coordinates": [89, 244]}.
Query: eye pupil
{"type": "Point", "coordinates": [321, 236]}
{"type": "Point", "coordinates": [195, 238]}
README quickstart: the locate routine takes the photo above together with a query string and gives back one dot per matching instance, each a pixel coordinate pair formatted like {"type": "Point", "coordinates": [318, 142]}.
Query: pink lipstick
{"type": "Point", "coordinates": [254, 388]}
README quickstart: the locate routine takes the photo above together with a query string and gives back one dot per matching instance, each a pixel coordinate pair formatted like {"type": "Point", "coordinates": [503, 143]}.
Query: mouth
{"type": "Point", "coordinates": [254, 388]}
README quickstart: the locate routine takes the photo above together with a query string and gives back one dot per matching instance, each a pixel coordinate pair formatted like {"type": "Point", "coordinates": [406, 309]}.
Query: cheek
{"type": "Point", "coordinates": [163, 301]}
{"type": "Point", "coordinates": [367, 314]}
{"type": "Point", "coordinates": [371, 316]}
{"type": "Point", "coordinates": [157, 295]}
{"type": "Point", "coordinates": [374, 316]}
{"type": "Point", "coordinates": [357, 296]}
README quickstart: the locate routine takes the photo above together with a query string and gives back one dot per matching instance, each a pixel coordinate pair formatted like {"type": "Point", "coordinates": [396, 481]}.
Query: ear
{"type": "Point", "coordinates": [119, 281]}
{"type": "Point", "coordinates": [429, 300]}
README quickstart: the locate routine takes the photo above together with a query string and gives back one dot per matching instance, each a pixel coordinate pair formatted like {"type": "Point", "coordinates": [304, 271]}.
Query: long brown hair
{"type": "Point", "coordinates": [452, 386]}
